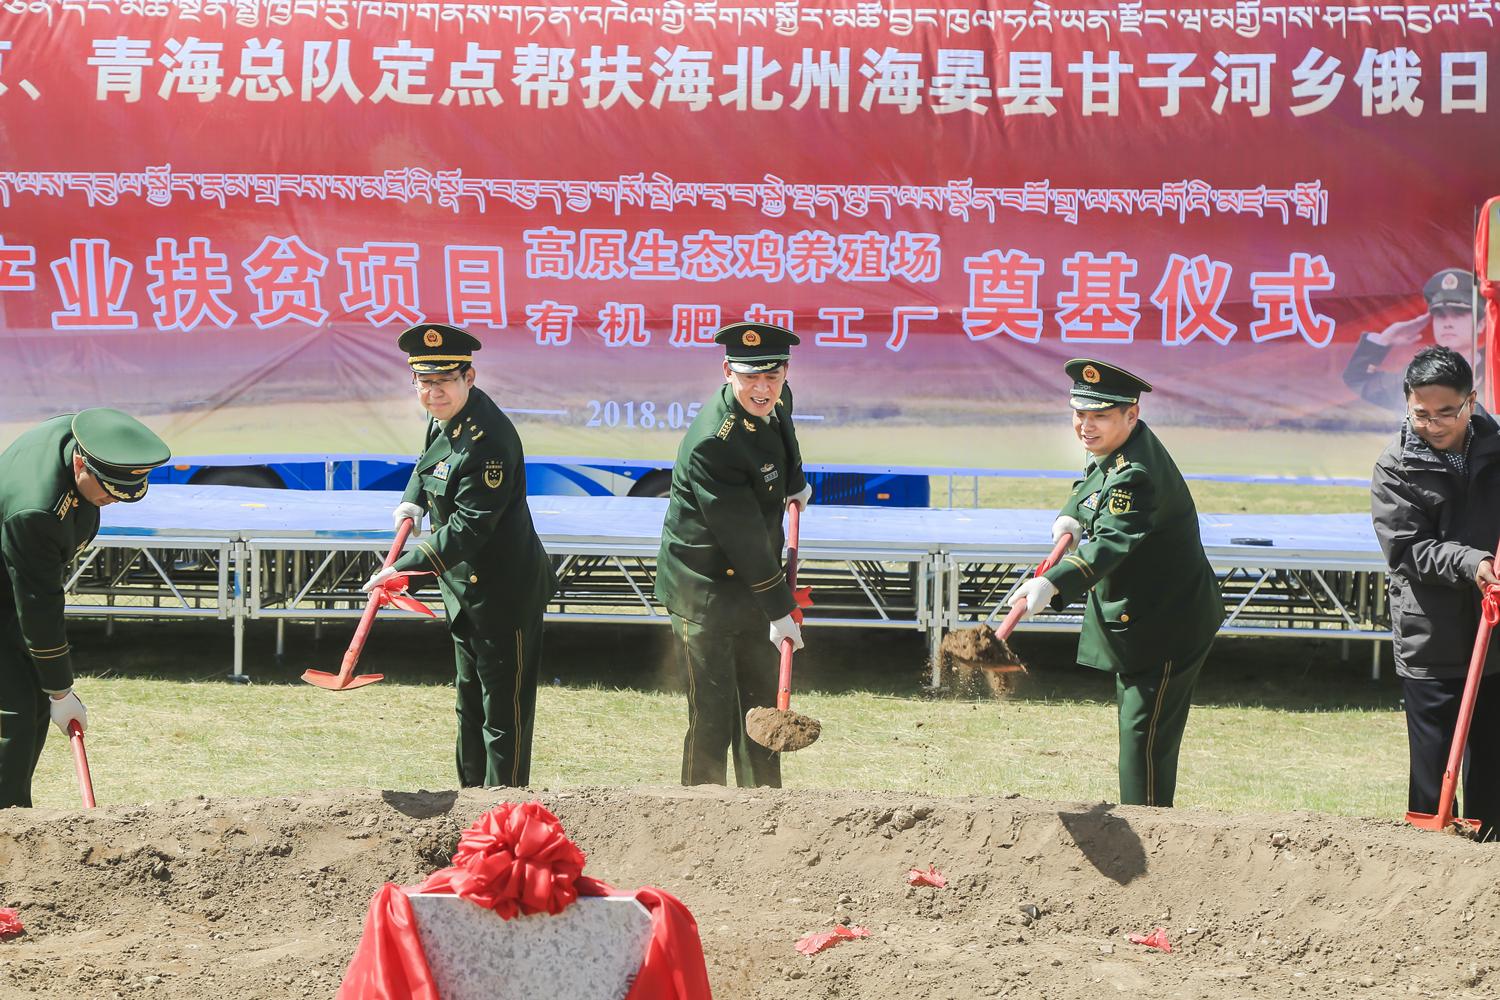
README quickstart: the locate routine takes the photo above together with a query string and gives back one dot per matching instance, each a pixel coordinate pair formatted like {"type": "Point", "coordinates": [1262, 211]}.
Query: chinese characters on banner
{"type": "Point", "coordinates": [1234, 201]}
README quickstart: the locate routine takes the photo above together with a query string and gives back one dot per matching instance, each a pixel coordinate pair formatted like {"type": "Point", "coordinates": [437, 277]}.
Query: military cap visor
{"type": "Point", "coordinates": [434, 348]}
{"type": "Point", "coordinates": [1099, 386]}
{"type": "Point", "coordinates": [1451, 287]}
{"type": "Point", "coordinates": [118, 450]}
{"type": "Point", "coordinates": [751, 348]}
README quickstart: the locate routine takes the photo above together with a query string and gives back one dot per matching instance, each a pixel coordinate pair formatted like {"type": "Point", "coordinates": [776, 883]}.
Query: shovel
{"type": "Point", "coordinates": [392, 592]}
{"type": "Point", "coordinates": [1444, 819]}
{"type": "Point", "coordinates": [81, 762]}
{"type": "Point", "coordinates": [780, 729]}
{"type": "Point", "coordinates": [1003, 659]}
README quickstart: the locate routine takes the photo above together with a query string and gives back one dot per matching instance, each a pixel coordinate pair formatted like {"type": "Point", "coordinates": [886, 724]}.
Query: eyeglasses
{"type": "Point", "coordinates": [429, 384]}
{"type": "Point", "coordinates": [1443, 416]}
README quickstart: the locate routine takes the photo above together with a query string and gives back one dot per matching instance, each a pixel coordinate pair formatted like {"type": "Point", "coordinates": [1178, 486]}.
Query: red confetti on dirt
{"type": "Point", "coordinates": [931, 877]}
{"type": "Point", "coordinates": [10, 922]}
{"type": "Point", "coordinates": [1156, 939]}
{"type": "Point", "coordinates": [817, 941]}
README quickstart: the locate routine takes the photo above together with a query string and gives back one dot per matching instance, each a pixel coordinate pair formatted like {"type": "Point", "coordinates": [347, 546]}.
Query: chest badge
{"type": "Point", "coordinates": [1091, 501]}
{"type": "Point", "coordinates": [769, 472]}
{"type": "Point", "coordinates": [441, 471]}
{"type": "Point", "coordinates": [494, 473]}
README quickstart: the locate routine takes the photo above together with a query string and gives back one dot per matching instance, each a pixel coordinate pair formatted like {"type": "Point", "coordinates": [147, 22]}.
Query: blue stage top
{"type": "Point", "coordinates": [238, 513]}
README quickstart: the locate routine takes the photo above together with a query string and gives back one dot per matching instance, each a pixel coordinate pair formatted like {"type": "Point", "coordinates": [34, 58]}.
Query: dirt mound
{"type": "Point", "coordinates": [265, 898]}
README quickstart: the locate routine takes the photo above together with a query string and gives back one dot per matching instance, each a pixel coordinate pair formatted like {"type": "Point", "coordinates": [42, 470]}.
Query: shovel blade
{"type": "Point", "coordinates": [334, 682]}
{"type": "Point", "coordinates": [1453, 824]}
{"type": "Point", "coordinates": [782, 730]}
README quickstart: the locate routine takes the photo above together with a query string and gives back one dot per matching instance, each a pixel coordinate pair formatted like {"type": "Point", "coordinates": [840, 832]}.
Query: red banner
{"type": "Point", "coordinates": [218, 215]}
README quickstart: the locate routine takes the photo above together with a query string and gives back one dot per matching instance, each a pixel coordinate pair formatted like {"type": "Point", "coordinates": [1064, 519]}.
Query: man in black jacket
{"type": "Point", "coordinates": [1435, 499]}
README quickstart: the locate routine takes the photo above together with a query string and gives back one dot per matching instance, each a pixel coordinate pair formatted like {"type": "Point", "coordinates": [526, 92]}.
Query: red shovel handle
{"type": "Point", "coordinates": [357, 644]}
{"type": "Point", "coordinates": [784, 682]}
{"type": "Point", "coordinates": [81, 762]}
{"type": "Point", "coordinates": [1009, 624]}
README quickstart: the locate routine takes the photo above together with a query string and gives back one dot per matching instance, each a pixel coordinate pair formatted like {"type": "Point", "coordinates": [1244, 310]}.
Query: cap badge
{"type": "Point", "coordinates": [1450, 282]}
{"type": "Point", "coordinates": [432, 338]}
{"type": "Point", "coordinates": [1091, 374]}
{"type": "Point", "coordinates": [750, 339]}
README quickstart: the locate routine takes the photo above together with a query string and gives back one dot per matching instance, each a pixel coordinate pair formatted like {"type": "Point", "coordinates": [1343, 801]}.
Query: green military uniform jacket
{"type": "Point", "coordinates": [1152, 595]}
{"type": "Point", "coordinates": [720, 557]}
{"type": "Point", "coordinates": [471, 479]}
{"type": "Point", "coordinates": [44, 524]}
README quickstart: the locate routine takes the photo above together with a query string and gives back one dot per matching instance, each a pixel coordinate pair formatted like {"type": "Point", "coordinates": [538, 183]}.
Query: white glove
{"type": "Point", "coordinates": [406, 509]}
{"type": "Point", "coordinates": [1067, 525]}
{"type": "Point", "coordinates": [380, 577]}
{"type": "Point", "coordinates": [786, 628]}
{"type": "Point", "coordinates": [1036, 592]}
{"type": "Point", "coordinates": [66, 709]}
{"type": "Point", "coordinates": [801, 499]}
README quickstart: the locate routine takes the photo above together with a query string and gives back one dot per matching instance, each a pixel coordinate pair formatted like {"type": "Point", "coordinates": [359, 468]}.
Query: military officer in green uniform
{"type": "Point", "coordinates": [719, 571]}
{"type": "Point", "coordinates": [53, 480]}
{"type": "Point", "coordinates": [495, 577]}
{"type": "Point", "coordinates": [1153, 603]}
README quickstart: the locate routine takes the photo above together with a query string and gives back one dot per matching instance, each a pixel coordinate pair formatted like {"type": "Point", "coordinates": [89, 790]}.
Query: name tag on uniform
{"type": "Point", "coordinates": [441, 470]}
{"type": "Point", "coordinates": [1091, 501]}
{"type": "Point", "coordinates": [768, 472]}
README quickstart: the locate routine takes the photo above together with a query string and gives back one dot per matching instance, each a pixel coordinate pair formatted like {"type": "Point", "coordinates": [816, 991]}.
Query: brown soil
{"type": "Point", "coordinates": [978, 663]}
{"type": "Point", "coordinates": [782, 731]}
{"type": "Point", "coordinates": [265, 898]}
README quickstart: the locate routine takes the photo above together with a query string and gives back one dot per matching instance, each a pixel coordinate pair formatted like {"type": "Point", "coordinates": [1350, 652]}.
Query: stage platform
{"type": "Point", "coordinates": [244, 554]}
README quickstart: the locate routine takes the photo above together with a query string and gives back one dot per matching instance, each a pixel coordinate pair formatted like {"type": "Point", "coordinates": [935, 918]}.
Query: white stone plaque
{"type": "Point", "coordinates": [590, 951]}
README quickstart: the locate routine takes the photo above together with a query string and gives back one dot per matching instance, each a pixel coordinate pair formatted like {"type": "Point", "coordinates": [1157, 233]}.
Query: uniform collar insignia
{"type": "Point", "coordinates": [749, 424]}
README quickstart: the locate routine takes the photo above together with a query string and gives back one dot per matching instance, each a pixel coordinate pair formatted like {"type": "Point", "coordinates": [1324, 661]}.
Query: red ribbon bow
{"type": "Point", "coordinates": [515, 859]}
{"type": "Point", "coordinates": [803, 597]}
{"type": "Point", "coordinates": [1491, 604]}
{"type": "Point", "coordinates": [393, 592]}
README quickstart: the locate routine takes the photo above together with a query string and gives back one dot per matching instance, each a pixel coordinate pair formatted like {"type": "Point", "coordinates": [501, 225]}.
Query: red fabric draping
{"type": "Point", "coordinates": [516, 859]}
{"type": "Point", "coordinates": [1491, 292]}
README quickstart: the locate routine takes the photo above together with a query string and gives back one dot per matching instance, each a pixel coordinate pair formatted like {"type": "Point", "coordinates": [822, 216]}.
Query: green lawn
{"type": "Point", "coordinates": [1278, 724]}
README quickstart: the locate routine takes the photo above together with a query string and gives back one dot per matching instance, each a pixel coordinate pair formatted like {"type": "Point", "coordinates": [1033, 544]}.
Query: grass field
{"type": "Point", "coordinates": [1277, 724]}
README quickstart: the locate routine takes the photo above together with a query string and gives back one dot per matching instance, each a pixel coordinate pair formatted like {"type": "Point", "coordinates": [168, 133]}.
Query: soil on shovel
{"type": "Point", "coordinates": [975, 662]}
{"type": "Point", "coordinates": [781, 731]}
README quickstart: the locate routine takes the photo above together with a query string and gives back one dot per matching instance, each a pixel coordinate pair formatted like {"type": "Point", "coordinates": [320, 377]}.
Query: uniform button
{"type": "Point", "coordinates": [473, 579]}
{"type": "Point", "coordinates": [729, 572]}
{"type": "Point", "coordinates": [1124, 618]}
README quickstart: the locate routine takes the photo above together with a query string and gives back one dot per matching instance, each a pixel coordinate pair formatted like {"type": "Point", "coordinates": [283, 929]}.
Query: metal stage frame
{"type": "Point", "coordinates": [215, 554]}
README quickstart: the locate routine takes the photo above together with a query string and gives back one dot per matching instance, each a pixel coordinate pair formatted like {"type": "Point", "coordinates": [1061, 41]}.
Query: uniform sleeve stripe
{"type": "Point", "coordinates": [1084, 567]}
{"type": "Point", "coordinates": [767, 584]}
{"type": "Point", "coordinates": [433, 557]}
{"type": "Point", "coordinates": [51, 649]}
{"type": "Point", "coordinates": [58, 653]}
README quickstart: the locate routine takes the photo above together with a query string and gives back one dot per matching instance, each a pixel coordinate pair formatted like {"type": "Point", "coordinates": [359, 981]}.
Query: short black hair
{"type": "Point", "coordinates": [1438, 366]}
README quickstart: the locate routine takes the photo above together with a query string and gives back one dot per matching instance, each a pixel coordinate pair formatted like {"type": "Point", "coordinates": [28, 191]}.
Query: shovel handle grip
{"type": "Point", "coordinates": [793, 529]}
{"type": "Point", "coordinates": [1009, 624]}
{"type": "Point", "coordinates": [81, 763]}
